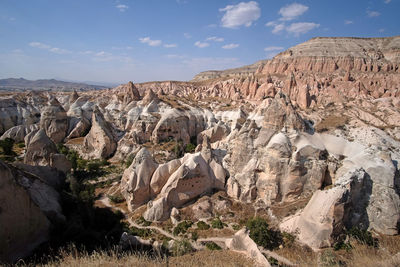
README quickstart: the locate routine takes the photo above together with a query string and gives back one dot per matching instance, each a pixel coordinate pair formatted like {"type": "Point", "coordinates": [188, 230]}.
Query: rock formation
{"type": "Point", "coordinates": [54, 121]}
{"type": "Point", "coordinates": [28, 207]}
{"type": "Point", "coordinates": [99, 142]}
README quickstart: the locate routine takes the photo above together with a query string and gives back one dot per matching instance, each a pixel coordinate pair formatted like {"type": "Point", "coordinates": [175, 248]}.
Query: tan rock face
{"type": "Point", "coordinates": [40, 149]}
{"type": "Point", "coordinates": [135, 183]}
{"type": "Point", "coordinates": [243, 243]}
{"type": "Point", "coordinates": [27, 207]}
{"type": "Point", "coordinates": [54, 121]}
{"type": "Point", "coordinates": [99, 142]}
{"type": "Point", "coordinates": [326, 214]}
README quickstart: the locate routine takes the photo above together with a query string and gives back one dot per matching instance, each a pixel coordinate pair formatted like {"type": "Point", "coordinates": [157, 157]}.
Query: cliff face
{"type": "Point", "coordinates": [327, 55]}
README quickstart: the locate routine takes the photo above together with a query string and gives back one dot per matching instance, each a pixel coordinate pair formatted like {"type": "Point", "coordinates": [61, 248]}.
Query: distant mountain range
{"type": "Point", "coordinates": [21, 84]}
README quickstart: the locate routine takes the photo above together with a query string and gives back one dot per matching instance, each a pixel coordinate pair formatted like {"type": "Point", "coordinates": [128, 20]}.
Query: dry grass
{"type": "Point", "coordinates": [386, 255]}
{"type": "Point", "coordinates": [201, 258]}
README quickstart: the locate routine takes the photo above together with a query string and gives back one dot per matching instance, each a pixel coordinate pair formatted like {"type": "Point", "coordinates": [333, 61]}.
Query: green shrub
{"type": "Point", "coordinates": [212, 246]}
{"type": "Point", "coordinates": [129, 160]}
{"type": "Point", "coordinates": [181, 247]}
{"type": "Point", "coordinates": [142, 221]}
{"type": "Point", "coordinates": [194, 236]}
{"type": "Point", "coordinates": [145, 233]}
{"type": "Point", "coordinates": [7, 146]}
{"type": "Point", "coordinates": [116, 198]}
{"type": "Point", "coordinates": [217, 223]}
{"type": "Point", "coordinates": [202, 225]}
{"type": "Point", "coordinates": [21, 145]}
{"type": "Point", "coordinates": [236, 227]}
{"type": "Point", "coordinates": [363, 236]}
{"type": "Point", "coordinates": [190, 148]}
{"type": "Point", "coordinates": [288, 239]}
{"type": "Point", "coordinates": [262, 235]}
{"type": "Point", "coordinates": [182, 227]}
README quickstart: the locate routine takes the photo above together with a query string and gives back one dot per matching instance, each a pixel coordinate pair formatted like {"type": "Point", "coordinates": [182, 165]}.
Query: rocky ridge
{"type": "Point", "coordinates": [320, 128]}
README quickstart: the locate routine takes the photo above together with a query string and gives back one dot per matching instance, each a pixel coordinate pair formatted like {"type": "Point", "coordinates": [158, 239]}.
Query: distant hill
{"type": "Point", "coordinates": [21, 84]}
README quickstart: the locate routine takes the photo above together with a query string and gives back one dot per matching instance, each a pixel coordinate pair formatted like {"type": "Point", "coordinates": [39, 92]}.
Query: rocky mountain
{"type": "Point", "coordinates": [309, 140]}
{"type": "Point", "coordinates": [21, 84]}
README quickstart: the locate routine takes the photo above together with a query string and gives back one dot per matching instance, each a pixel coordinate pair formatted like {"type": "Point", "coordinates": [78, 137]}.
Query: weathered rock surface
{"type": "Point", "coordinates": [99, 142]}
{"type": "Point", "coordinates": [40, 149]}
{"type": "Point", "coordinates": [243, 243]}
{"type": "Point", "coordinates": [54, 121]}
{"type": "Point", "coordinates": [28, 207]}
{"type": "Point", "coordinates": [193, 178]}
{"type": "Point", "coordinates": [328, 212]}
{"type": "Point", "coordinates": [135, 183]}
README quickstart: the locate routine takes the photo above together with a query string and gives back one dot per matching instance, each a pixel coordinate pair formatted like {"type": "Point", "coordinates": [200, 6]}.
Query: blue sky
{"type": "Point", "coordinates": [145, 40]}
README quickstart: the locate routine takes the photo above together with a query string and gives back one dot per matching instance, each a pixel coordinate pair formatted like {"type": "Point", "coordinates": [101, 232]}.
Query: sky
{"type": "Point", "coordinates": [116, 41]}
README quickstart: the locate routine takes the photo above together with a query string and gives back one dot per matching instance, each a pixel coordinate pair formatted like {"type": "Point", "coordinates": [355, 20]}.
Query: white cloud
{"type": "Point", "coordinates": [381, 30]}
{"type": "Point", "coordinates": [347, 22]}
{"type": "Point", "coordinates": [147, 40]}
{"type": "Point", "coordinates": [201, 45]}
{"type": "Point", "coordinates": [301, 27]}
{"type": "Point", "coordinates": [292, 11]}
{"type": "Point", "coordinates": [240, 14]}
{"type": "Point", "coordinates": [373, 14]}
{"type": "Point", "coordinates": [215, 39]}
{"type": "Point", "coordinates": [121, 7]}
{"type": "Point", "coordinates": [170, 45]}
{"type": "Point", "coordinates": [187, 35]}
{"type": "Point", "coordinates": [288, 13]}
{"type": "Point", "coordinates": [277, 27]}
{"type": "Point", "coordinates": [103, 54]}
{"type": "Point", "coordinates": [49, 48]}
{"type": "Point", "coordinates": [273, 48]}
{"type": "Point", "coordinates": [387, 1]}
{"type": "Point", "coordinates": [59, 50]}
{"type": "Point", "coordinates": [230, 46]}
{"type": "Point", "coordinates": [39, 45]}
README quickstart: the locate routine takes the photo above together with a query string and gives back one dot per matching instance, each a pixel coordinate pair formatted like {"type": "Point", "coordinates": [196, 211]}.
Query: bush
{"type": "Point", "coordinates": [182, 227]}
{"type": "Point", "coordinates": [142, 221]}
{"type": "Point", "coordinates": [263, 236]}
{"type": "Point", "coordinates": [202, 225]}
{"type": "Point", "coordinates": [181, 247]}
{"type": "Point", "coordinates": [145, 233]}
{"type": "Point", "coordinates": [194, 236]}
{"type": "Point", "coordinates": [363, 236]}
{"type": "Point", "coordinates": [116, 198]}
{"type": "Point", "coordinates": [217, 223]}
{"type": "Point", "coordinates": [7, 146]}
{"type": "Point", "coordinates": [212, 246]}
{"type": "Point", "coordinates": [236, 227]}
{"type": "Point", "coordinates": [21, 145]}
{"type": "Point", "coordinates": [189, 148]}
{"type": "Point", "coordinates": [129, 160]}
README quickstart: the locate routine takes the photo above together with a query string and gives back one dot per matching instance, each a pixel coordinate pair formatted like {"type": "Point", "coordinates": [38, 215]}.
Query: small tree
{"type": "Point", "coordinates": [262, 235]}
